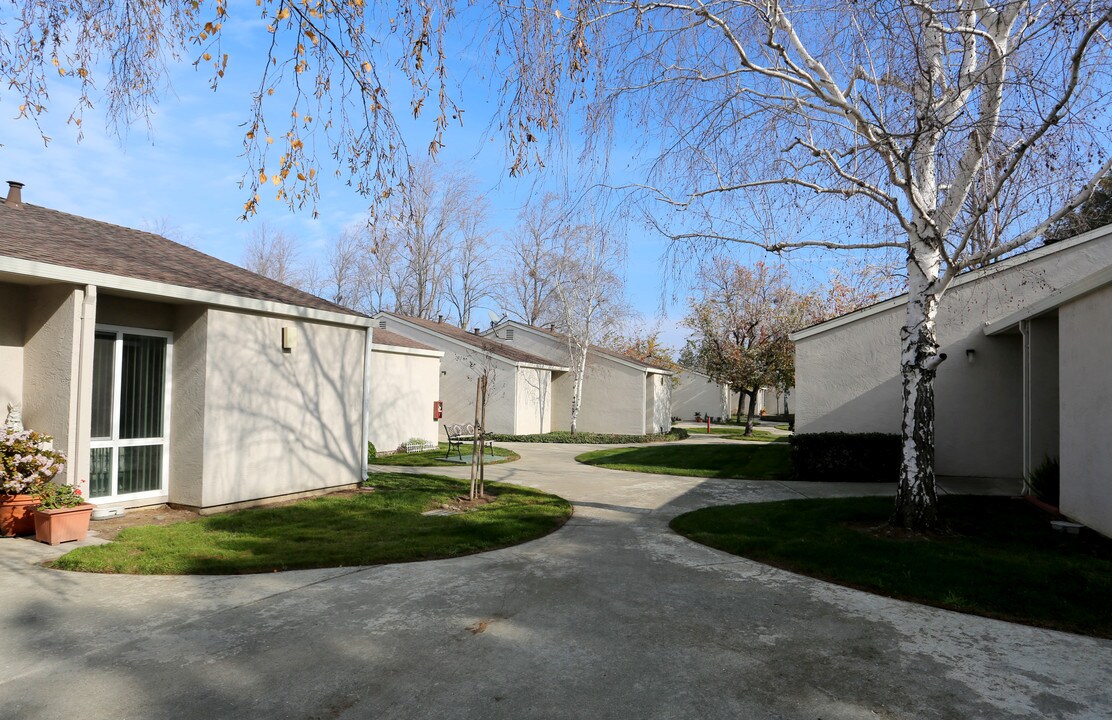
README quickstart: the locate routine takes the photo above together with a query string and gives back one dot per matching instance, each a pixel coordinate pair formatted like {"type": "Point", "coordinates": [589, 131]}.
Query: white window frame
{"type": "Point", "coordinates": [114, 442]}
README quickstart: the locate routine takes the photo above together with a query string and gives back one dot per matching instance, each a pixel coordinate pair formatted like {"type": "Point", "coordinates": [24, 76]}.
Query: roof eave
{"type": "Point", "coordinates": [404, 350]}
{"type": "Point", "coordinates": [457, 341]}
{"type": "Point", "coordinates": [159, 290]}
{"type": "Point", "coordinates": [1051, 302]}
{"type": "Point", "coordinates": [635, 364]}
{"type": "Point", "coordinates": [997, 267]}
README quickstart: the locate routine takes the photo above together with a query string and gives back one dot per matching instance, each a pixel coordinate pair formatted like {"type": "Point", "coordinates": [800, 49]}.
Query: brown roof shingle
{"type": "Point", "coordinates": [49, 236]}
{"type": "Point", "coordinates": [601, 350]}
{"type": "Point", "coordinates": [485, 344]}
{"type": "Point", "coordinates": [385, 337]}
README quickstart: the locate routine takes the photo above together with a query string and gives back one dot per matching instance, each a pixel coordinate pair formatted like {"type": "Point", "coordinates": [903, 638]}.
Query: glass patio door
{"type": "Point", "coordinates": [130, 414]}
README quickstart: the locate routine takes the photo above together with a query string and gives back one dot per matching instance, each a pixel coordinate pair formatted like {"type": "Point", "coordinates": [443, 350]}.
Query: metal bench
{"type": "Point", "coordinates": [460, 434]}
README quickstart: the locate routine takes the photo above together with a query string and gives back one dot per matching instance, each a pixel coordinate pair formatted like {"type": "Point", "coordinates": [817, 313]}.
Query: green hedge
{"type": "Point", "coordinates": [845, 457]}
{"type": "Point", "coordinates": [587, 438]}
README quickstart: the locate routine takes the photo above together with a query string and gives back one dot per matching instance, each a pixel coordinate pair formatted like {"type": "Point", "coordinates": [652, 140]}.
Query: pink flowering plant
{"type": "Point", "coordinates": [53, 496]}
{"type": "Point", "coordinates": [27, 461]}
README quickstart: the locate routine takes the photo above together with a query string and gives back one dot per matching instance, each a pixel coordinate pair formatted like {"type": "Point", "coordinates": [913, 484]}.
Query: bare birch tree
{"type": "Point", "coordinates": [470, 280]}
{"type": "Point", "coordinates": [921, 117]}
{"type": "Point", "coordinates": [588, 293]}
{"type": "Point", "coordinates": [379, 259]}
{"type": "Point", "coordinates": [345, 276]}
{"type": "Point", "coordinates": [421, 223]}
{"type": "Point", "coordinates": [525, 288]}
{"type": "Point", "coordinates": [273, 254]}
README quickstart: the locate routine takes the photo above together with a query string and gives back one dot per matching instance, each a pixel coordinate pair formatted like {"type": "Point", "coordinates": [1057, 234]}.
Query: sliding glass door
{"type": "Point", "coordinates": [130, 423]}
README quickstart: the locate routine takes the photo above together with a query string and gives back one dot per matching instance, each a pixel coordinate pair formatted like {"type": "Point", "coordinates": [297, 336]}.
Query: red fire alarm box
{"type": "Point", "coordinates": [437, 409]}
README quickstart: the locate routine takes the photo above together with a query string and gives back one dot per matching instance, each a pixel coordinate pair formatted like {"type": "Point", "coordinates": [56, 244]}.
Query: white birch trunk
{"type": "Point", "coordinates": [916, 499]}
{"type": "Point", "coordinates": [578, 373]}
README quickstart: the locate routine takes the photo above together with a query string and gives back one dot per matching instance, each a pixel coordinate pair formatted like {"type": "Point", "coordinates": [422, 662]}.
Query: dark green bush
{"type": "Point", "coordinates": [371, 452]}
{"type": "Point", "coordinates": [845, 457]}
{"type": "Point", "coordinates": [587, 438]}
{"type": "Point", "coordinates": [1045, 480]}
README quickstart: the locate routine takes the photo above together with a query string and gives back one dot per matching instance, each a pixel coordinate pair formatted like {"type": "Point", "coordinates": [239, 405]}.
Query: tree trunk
{"type": "Point", "coordinates": [752, 408]}
{"type": "Point", "coordinates": [916, 500]}
{"type": "Point", "coordinates": [482, 438]}
{"type": "Point", "coordinates": [577, 387]}
{"type": "Point", "coordinates": [740, 397]}
{"type": "Point", "coordinates": [475, 442]}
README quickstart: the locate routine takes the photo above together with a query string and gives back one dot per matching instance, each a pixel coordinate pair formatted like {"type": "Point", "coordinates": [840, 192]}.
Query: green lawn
{"type": "Point", "coordinates": [712, 460]}
{"type": "Point", "coordinates": [738, 433]}
{"type": "Point", "coordinates": [435, 458]}
{"type": "Point", "coordinates": [999, 558]}
{"type": "Point", "coordinates": [333, 531]}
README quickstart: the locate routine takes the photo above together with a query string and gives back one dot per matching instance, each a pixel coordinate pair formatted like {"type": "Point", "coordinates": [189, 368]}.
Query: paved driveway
{"type": "Point", "coordinates": [613, 616]}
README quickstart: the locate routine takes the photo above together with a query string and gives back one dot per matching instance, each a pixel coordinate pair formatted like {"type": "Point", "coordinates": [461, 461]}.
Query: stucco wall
{"type": "Point", "coordinates": [457, 387]}
{"type": "Point", "coordinates": [695, 392]}
{"type": "Point", "coordinates": [462, 366]}
{"type": "Point", "coordinates": [280, 422]}
{"type": "Point", "coordinates": [51, 366]}
{"type": "Point", "coordinates": [614, 398]}
{"type": "Point", "coordinates": [12, 321]}
{"type": "Point", "coordinates": [136, 313]}
{"type": "Point", "coordinates": [534, 401]}
{"type": "Point", "coordinates": [187, 406]}
{"type": "Point", "coordinates": [658, 387]}
{"type": "Point", "coordinates": [403, 388]}
{"type": "Point", "coordinates": [1085, 337]}
{"type": "Point", "coordinates": [847, 378]}
{"type": "Point", "coordinates": [1043, 389]}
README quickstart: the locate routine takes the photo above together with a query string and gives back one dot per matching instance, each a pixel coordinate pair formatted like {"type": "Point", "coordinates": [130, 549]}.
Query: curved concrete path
{"type": "Point", "coordinates": [613, 616]}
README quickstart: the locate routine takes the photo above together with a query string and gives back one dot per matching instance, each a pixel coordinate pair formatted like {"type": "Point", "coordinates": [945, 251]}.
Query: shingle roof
{"type": "Point", "coordinates": [385, 337]}
{"type": "Point", "coordinates": [49, 236]}
{"type": "Point", "coordinates": [604, 351]}
{"type": "Point", "coordinates": [485, 344]}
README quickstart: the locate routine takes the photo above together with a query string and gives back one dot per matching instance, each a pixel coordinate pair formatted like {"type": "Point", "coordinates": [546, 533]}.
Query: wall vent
{"type": "Point", "coordinates": [509, 333]}
{"type": "Point", "coordinates": [381, 324]}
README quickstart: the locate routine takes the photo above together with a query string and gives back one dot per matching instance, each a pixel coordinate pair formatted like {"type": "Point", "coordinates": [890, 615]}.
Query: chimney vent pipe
{"type": "Point", "coordinates": [15, 196]}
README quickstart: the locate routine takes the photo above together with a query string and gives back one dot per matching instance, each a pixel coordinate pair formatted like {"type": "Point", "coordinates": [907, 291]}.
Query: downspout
{"type": "Point", "coordinates": [82, 427]}
{"type": "Point", "coordinates": [1025, 332]}
{"type": "Point", "coordinates": [366, 419]}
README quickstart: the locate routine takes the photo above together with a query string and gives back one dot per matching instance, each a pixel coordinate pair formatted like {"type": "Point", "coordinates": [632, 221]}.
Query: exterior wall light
{"type": "Point", "coordinates": [971, 355]}
{"type": "Point", "coordinates": [289, 338]}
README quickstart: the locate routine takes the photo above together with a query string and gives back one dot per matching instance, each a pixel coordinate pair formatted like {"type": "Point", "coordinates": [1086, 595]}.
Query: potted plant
{"type": "Point", "coordinates": [62, 514]}
{"type": "Point", "coordinates": [27, 460]}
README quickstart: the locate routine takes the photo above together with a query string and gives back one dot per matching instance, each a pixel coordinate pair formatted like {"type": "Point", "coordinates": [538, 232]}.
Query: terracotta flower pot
{"type": "Point", "coordinates": [62, 525]}
{"type": "Point", "coordinates": [17, 515]}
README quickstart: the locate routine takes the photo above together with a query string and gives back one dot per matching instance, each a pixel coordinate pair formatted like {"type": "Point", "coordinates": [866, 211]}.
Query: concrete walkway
{"type": "Point", "coordinates": [613, 616]}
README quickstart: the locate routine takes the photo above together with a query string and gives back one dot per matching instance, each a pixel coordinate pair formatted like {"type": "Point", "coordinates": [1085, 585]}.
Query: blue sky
{"type": "Point", "coordinates": [183, 173]}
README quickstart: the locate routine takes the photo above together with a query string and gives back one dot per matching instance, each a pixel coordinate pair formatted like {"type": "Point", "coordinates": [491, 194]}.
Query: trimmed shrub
{"type": "Point", "coordinates": [371, 452]}
{"type": "Point", "coordinates": [1045, 481]}
{"type": "Point", "coordinates": [845, 457]}
{"type": "Point", "coordinates": [587, 438]}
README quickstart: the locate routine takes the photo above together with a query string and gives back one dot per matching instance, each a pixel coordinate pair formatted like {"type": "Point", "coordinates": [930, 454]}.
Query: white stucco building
{"type": "Point", "coordinates": [696, 392]}
{"type": "Point", "coordinates": [405, 386]}
{"type": "Point", "coordinates": [167, 375]}
{"type": "Point", "coordinates": [1026, 376]}
{"type": "Point", "coordinates": [1066, 391]}
{"type": "Point", "coordinates": [620, 394]}
{"type": "Point", "coordinates": [520, 394]}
